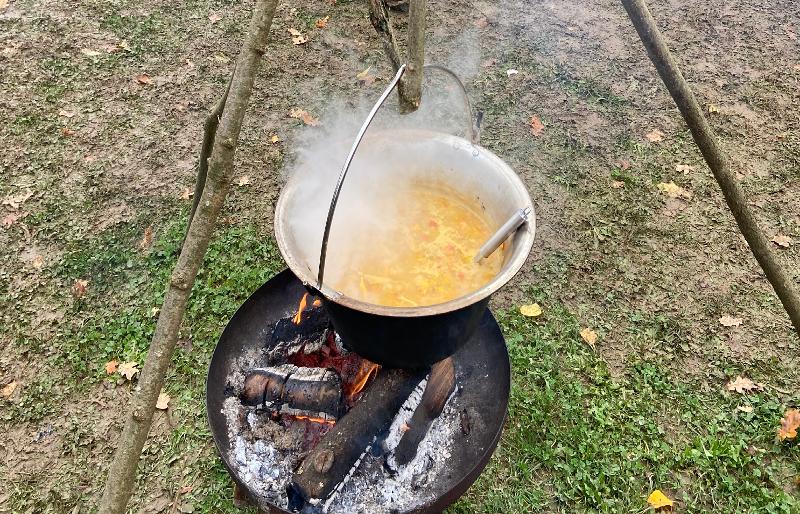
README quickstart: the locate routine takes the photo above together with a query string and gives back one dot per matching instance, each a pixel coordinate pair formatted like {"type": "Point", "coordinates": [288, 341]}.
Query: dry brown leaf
{"type": "Point", "coordinates": [617, 184]}
{"type": "Point", "coordinates": [111, 366]}
{"type": "Point", "coordinates": [11, 218]}
{"type": "Point", "coordinates": [294, 32]}
{"type": "Point", "coordinates": [8, 389]}
{"type": "Point", "coordinates": [214, 17]}
{"type": "Point", "coordinates": [15, 201]}
{"type": "Point", "coordinates": [65, 113]}
{"type": "Point", "coordinates": [3, 4]}
{"type": "Point", "coordinates": [481, 22]}
{"type": "Point", "coordinates": [299, 40]}
{"type": "Point", "coordinates": [147, 239]}
{"type": "Point", "coordinates": [789, 425]}
{"type": "Point", "coordinates": [684, 168]}
{"type": "Point", "coordinates": [730, 321]}
{"type": "Point", "coordinates": [655, 136]}
{"type": "Point", "coordinates": [79, 288]}
{"type": "Point", "coordinates": [365, 78]}
{"type": "Point", "coordinates": [144, 78]}
{"type": "Point", "coordinates": [243, 180]}
{"type": "Point", "coordinates": [536, 126]}
{"type": "Point", "coordinates": [589, 335]}
{"type": "Point", "coordinates": [88, 52]}
{"type": "Point", "coordinates": [625, 164]}
{"type": "Point", "coordinates": [304, 115]}
{"type": "Point", "coordinates": [37, 262]}
{"type": "Point", "coordinates": [322, 22]}
{"type": "Point", "coordinates": [128, 369]}
{"type": "Point", "coordinates": [163, 401]}
{"type": "Point", "coordinates": [743, 385]}
{"type": "Point", "coordinates": [186, 489]}
{"type": "Point", "coordinates": [274, 139]}
{"type": "Point", "coordinates": [488, 63]}
{"type": "Point", "coordinates": [187, 193]}
{"type": "Point", "coordinates": [673, 190]}
{"type": "Point", "coordinates": [782, 240]}
{"type": "Point", "coordinates": [66, 131]}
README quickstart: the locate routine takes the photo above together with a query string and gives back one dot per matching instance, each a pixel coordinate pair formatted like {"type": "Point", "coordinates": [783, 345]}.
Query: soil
{"type": "Point", "coordinates": [652, 275]}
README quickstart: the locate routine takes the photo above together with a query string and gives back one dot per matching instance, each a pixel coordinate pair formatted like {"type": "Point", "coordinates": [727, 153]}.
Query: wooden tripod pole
{"type": "Point", "coordinates": [122, 472]}
{"type": "Point", "coordinates": [704, 137]}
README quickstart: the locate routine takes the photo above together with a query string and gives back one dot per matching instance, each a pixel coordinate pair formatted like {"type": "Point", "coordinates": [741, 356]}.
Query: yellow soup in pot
{"type": "Point", "coordinates": [426, 257]}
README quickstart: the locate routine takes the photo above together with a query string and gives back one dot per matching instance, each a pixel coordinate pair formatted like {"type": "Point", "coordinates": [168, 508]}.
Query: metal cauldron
{"type": "Point", "coordinates": [412, 337]}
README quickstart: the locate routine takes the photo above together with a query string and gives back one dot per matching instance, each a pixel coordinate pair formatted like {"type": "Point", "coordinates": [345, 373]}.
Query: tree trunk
{"type": "Point", "coordinates": [704, 138]}
{"type": "Point", "coordinates": [122, 473]}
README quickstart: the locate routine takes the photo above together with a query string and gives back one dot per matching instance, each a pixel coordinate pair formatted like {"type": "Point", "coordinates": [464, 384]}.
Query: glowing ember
{"type": "Point", "coordinates": [299, 316]}
{"type": "Point", "coordinates": [314, 420]}
{"type": "Point", "coordinates": [367, 371]}
{"type": "Point", "coordinates": [317, 302]}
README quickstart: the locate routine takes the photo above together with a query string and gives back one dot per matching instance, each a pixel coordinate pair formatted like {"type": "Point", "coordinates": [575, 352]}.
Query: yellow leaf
{"type": "Point", "coordinates": [274, 139]}
{"type": "Point", "coordinates": [163, 401]}
{"type": "Point", "coordinates": [658, 500]}
{"type": "Point", "coordinates": [533, 310]}
{"type": "Point", "coordinates": [712, 109]}
{"type": "Point", "coordinates": [673, 190]}
{"type": "Point", "coordinates": [589, 335]}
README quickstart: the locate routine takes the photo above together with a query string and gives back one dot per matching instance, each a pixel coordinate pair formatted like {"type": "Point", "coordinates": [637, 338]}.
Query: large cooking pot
{"type": "Point", "coordinates": [409, 337]}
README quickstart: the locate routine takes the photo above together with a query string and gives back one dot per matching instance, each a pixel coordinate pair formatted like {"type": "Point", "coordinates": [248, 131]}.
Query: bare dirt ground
{"type": "Point", "coordinates": [90, 156]}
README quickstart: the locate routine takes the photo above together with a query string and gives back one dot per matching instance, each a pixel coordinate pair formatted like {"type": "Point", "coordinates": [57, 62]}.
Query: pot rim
{"type": "Point", "coordinates": [523, 239]}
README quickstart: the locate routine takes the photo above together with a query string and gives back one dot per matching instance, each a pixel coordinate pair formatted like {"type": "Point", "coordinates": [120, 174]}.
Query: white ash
{"type": "Point", "coordinates": [249, 359]}
{"type": "Point", "coordinates": [264, 453]}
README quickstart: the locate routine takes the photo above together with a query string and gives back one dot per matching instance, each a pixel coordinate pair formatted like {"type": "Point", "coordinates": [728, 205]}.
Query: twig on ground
{"type": "Point", "coordinates": [704, 137]}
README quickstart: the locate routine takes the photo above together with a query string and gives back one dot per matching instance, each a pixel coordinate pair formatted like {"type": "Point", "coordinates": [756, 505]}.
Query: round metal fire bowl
{"type": "Point", "coordinates": [411, 337]}
{"type": "Point", "coordinates": [483, 375]}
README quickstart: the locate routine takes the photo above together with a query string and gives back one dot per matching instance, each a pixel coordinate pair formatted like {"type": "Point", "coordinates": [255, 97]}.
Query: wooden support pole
{"type": "Point", "coordinates": [122, 472]}
{"type": "Point", "coordinates": [410, 87]}
{"type": "Point", "coordinates": [704, 137]}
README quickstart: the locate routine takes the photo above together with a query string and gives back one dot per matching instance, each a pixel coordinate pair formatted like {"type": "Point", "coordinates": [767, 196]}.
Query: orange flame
{"type": "Point", "coordinates": [299, 316]}
{"type": "Point", "coordinates": [367, 371]}
{"type": "Point", "coordinates": [317, 302]}
{"type": "Point", "coordinates": [316, 420]}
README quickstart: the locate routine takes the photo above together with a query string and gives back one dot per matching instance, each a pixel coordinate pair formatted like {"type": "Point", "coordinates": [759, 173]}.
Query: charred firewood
{"type": "Point", "coordinates": [339, 451]}
{"type": "Point", "coordinates": [441, 383]}
{"type": "Point", "coordinates": [312, 326]}
{"type": "Point", "coordinates": [289, 389]}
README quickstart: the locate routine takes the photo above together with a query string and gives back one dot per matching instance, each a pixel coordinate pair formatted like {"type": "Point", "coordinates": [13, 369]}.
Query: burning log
{"type": "Point", "coordinates": [288, 389]}
{"type": "Point", "coordinates": [441, 383]}
{"type": "Point", "coordinates": [339, 451]}
{"type": "Point", "coordinates": [307, 327]}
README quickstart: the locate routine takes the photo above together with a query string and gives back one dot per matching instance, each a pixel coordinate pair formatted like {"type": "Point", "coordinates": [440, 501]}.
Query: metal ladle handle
{"type": "Point", "coordinates": [338, 189]}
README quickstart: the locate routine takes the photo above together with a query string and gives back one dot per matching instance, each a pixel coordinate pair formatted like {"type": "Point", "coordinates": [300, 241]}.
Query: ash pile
{"type": "Point", "coordinates": [314, 428]}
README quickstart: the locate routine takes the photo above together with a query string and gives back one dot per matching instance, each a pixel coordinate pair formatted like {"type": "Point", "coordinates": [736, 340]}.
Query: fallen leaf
{"type": "Point", "coordinates": [365, 78]}
{"type": "Point", "coordinates": [730, 321]}
{"type": "Point", "coordinates": [243, 180]}
{"type": "Point", "coordinates": [66, 131]}
{"type": "Point", "coordinates": [214, 17]}
{"type": "Point", "coordinates": [128, 369]}
{"type": "Point", "coordinates": [147, 239]}
{"type": "Point", "coordinates": [536, 126]}
{"type": "Point", "coordinates": [625, 164]}
{"type": "Point", "coordinates": [294, 32]}
{"type": "Point", "coordinates": [186, 508]}
{"type": "Point", "coordinates": [37, 262]}
{"type": "Point", "coordinates": [782, 240]}
{"type": "Point", "coordinates": [655, 136]}
{"type": "Point", "coordinates": [65, 113]}
{"type": "Point", "coordinates": [745, 408]}
{"type": "Point", "coordinates": [163, 401]}
{"type": "Point", "coordinates": [511, 72]}
{"type": "Point", "coordinates": [274, 139]}
{"type": "Point", "coordinates": [8, 389]}
{"type": "Point", "coordinates": [111, 366]}
{"type": "Point", "coordinates": [144, 78]}
{"type": "Point", "coordinates": [186, 489]}
{"type": "Point", "coordinates": [789, 425]}
{"type": "Point", "coordinates": [658, 500]}
{"type": "Point", "coordinates": [154, 311]}
{"type": "Point", "coordinates": [481, 22]}
{"type": "Point", "coordinates": [712, 109]}
{"type": "Point", "coordinates": [589, 335]}
{"type": "Point", "coordinates": [674, 206]}
{"type": "Point", "coordinates": [488, 63]}
{"type": "Point", "coordinates": [79, 288]}
{"type": "Point", "coordinates": [299, 40]}
{"type": "Point", "coordinates": [743, 385]}
{"type": "Point", "coordinates": [16, 200]}
{"type": "Point", "coordinates": [187, 193]}
{"type": "Point", "coordinates": [790, 32]}
{"type": "Point", "coordinates": [11, 218]}
{"type": "Point", "coordinates": [307, 118]}
{"type": "Point", "coordinates": [684, 168]}
{"type": "Point", "coordinates": [322, 22]}
{"type": "Point", "coordinates": [532, 310]}
{"type": "Point", "coordinates": [617, 184]}
{"type": "Point", "coordinates": [673, 190]}
{"type": "Point", "coordinates": [89, 52]}
{"type": "Point", "coordinates": [3, 4]}
{"type": "Point", "coordinates": [123, 45]}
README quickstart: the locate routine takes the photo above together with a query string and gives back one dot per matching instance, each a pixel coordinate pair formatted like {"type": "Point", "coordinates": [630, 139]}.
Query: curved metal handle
{"type": "Point", "coordinates": [338, 189]}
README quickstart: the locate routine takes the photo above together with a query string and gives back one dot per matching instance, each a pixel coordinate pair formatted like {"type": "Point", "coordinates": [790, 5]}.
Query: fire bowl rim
{"type": "Point", "coordinates": [523, 239]}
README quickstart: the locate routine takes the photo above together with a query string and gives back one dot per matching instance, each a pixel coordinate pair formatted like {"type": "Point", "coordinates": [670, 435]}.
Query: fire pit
{"type": "Point", "coordinates": [305, 425]}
